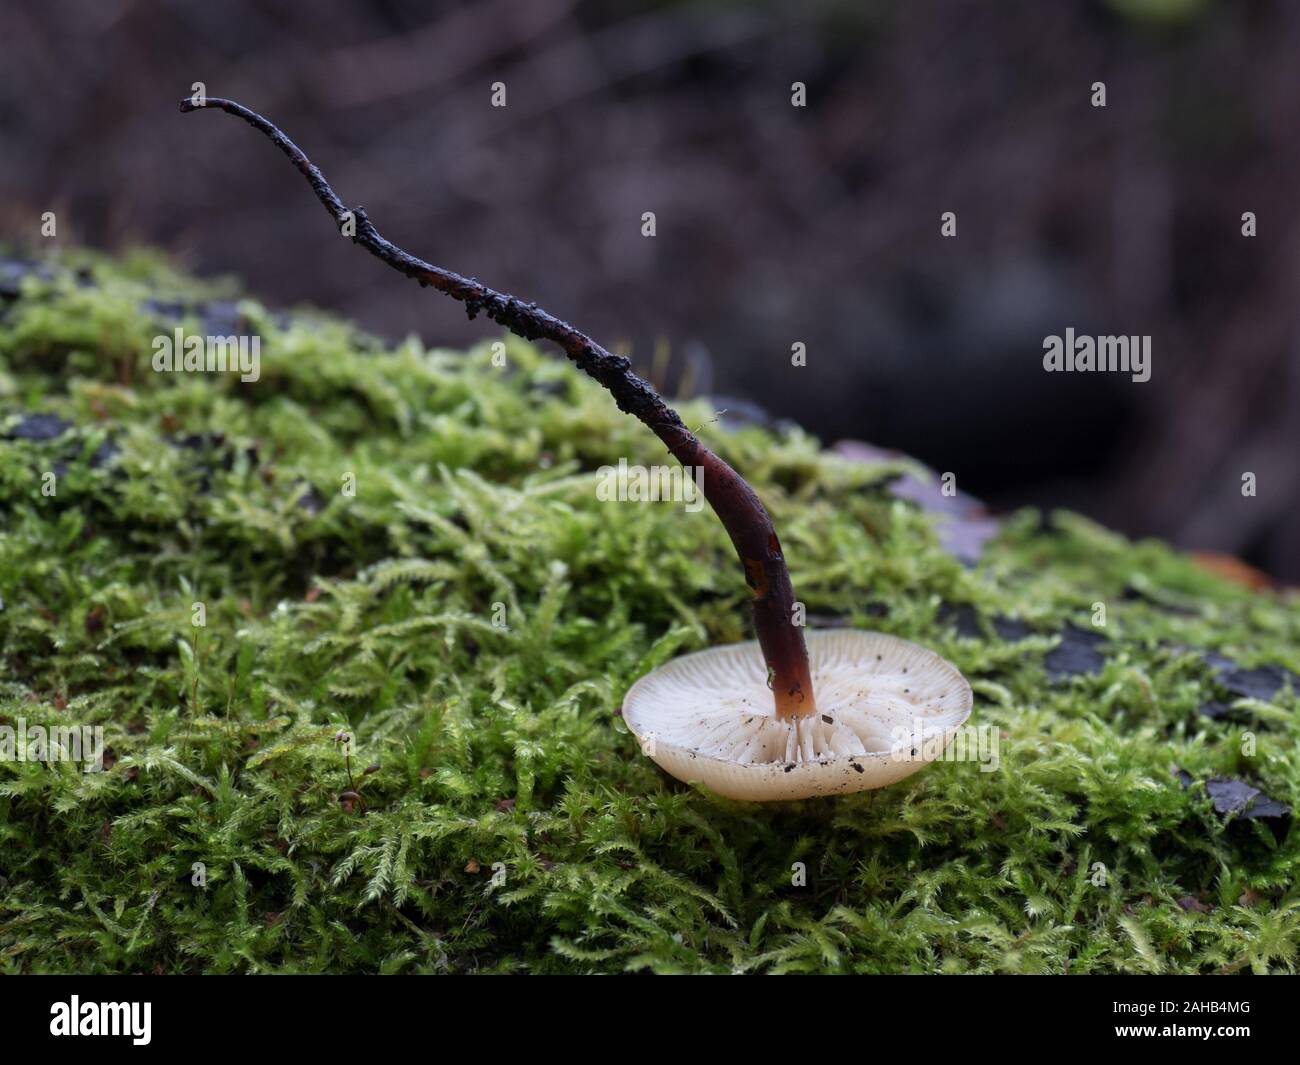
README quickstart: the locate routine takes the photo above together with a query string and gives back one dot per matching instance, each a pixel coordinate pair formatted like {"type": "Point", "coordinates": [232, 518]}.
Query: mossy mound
{"type": "Point", "coordinates": [512, 824]}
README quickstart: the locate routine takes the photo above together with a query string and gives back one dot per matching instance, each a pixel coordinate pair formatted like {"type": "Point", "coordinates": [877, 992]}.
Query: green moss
{"type": "Point", "coordinates": [373, 612]}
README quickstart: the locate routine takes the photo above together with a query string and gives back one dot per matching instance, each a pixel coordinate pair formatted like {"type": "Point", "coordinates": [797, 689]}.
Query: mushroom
{"type": "Point", "coordinates": [745, 719]}
{"type": "Point", "coordinates": [885, 708]}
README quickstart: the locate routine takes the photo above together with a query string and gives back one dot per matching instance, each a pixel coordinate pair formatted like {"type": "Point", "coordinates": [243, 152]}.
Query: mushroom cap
{"type": "Point", "coordinates": [885, 707]}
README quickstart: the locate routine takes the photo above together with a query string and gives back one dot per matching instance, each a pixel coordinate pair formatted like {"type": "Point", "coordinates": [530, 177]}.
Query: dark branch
{"type": "Point", "coordinates": [527, 320]}
{"type": "Point", "coordinates": [737, 506]}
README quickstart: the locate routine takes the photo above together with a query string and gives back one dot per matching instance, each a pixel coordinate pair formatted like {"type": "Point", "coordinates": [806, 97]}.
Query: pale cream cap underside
{"type": "Point", "coordinates": [885, 707]}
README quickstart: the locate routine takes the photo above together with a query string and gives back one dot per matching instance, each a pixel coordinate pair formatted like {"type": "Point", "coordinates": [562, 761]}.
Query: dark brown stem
{"type": "Point", "coordinates": [741, 512]}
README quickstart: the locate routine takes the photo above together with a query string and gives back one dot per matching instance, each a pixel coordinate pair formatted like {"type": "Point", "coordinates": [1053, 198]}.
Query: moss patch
{"type": "Point", "coordinates": [512, 824]}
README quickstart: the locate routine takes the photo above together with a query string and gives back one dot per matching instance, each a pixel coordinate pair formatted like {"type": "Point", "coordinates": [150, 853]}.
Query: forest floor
{"type": "Point", "coordinates": [406, 546]}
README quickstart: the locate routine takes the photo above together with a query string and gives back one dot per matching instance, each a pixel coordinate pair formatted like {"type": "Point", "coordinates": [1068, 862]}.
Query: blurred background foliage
{"type": "Point", "coordinates": [775, 224]}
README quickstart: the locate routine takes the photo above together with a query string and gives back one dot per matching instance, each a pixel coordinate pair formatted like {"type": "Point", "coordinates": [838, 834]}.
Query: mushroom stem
{"type": "Point", "coordinates": [732, 499]}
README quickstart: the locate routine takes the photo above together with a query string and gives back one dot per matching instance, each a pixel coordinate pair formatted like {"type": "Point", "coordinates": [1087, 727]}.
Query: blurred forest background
{"type": "Point", "coordinates": [775, 224]}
